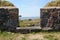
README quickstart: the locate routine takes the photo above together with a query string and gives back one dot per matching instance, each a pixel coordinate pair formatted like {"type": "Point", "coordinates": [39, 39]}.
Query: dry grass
{"type": "Point", "coordinates": [29, 23]}
{"type": "Point", "coordinates": [30, 36]}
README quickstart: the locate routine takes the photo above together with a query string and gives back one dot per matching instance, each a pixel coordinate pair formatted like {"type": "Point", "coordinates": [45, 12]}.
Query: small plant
{"type": "Point", "coordinates": [35, 39]}
{"type": "Point", "coordinates": [49, 37]}
{"type": "Point", "coordinates": [56, 39]}
{"type": "Point", "coordinates": [23, 38]}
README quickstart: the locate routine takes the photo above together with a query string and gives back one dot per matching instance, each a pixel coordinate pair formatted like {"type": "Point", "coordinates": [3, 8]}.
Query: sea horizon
{"type": "Point", "coordinates": [26, 18]}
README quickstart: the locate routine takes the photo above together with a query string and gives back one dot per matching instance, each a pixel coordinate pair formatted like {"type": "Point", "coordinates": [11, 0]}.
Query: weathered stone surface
{"type": "Point", "coordinates": [8, 17]}
{"type": "Point", "coordinates": [45, 15]}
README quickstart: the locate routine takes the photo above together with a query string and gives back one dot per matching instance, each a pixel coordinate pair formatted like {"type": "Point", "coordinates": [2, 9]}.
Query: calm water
{"type": "Point", "coordinates": [23, 18]}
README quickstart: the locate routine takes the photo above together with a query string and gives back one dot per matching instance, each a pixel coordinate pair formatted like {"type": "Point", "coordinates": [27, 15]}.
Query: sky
{"type": "Point", "coordinates": [29, 8]}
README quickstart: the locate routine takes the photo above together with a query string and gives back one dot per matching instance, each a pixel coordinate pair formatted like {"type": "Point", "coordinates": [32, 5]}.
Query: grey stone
{"type": "Point", "coordinates": [9, 17]}
{"type": "Point", "coordinates": [46, 14]}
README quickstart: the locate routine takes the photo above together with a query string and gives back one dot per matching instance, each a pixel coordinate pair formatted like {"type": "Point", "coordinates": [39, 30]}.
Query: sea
{"type": "Point", "coordinates": [26, 18]}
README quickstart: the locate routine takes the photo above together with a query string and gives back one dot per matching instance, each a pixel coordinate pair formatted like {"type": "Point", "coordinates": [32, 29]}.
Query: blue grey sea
{"type": "Point", "coordinates": [23, 18]}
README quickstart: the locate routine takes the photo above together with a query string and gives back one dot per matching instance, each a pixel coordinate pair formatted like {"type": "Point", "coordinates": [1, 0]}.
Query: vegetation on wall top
{"type": "Point", "coordinates": [6, 3]}
{"type": "Point", "coordinates": [53, 3]}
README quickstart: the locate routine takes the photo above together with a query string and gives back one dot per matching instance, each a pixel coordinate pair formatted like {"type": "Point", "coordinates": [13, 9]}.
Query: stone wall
{"type": "Point", "coordinates": [45, 15]}
{"type": "Point", "coordinates": [8, 17]}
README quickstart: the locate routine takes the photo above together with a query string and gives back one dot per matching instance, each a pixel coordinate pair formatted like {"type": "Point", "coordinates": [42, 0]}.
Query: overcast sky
{"type": "Point", "coordinates": [29, 8]}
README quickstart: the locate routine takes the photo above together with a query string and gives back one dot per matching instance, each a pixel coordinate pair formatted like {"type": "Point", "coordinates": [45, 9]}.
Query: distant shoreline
{"type": "Point", "coordinates": [26, 18]}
